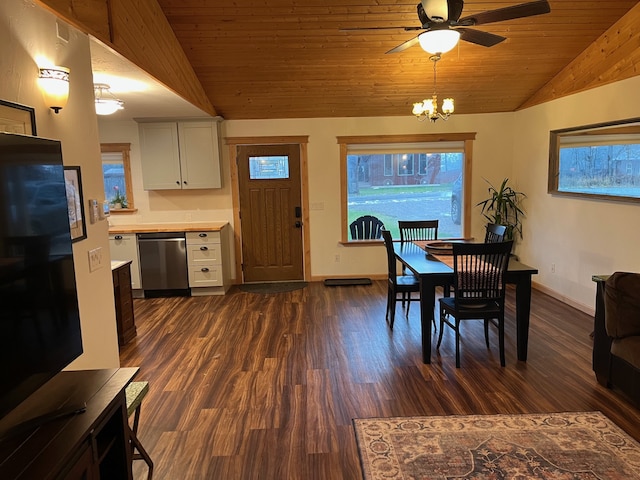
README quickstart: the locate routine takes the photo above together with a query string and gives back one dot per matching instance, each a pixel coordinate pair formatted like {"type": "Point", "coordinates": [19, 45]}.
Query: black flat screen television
{"type": "Point", "coordinates": [39, 318]}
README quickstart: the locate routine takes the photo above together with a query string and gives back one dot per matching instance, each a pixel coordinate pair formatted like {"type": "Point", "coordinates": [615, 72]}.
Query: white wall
{"type": "Point", "coordinates": [581, 237]}
{"type": "Point", "coordinates": [27, 32]}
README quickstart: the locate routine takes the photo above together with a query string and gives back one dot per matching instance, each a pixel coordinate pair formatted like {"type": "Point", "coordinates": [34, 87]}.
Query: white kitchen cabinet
{"type": "Point", "coordinates": [180, 155]}
{"type": "Point", "coordinates": [208, 262]}
{"type": "Point", "coordinates": [124, 247]}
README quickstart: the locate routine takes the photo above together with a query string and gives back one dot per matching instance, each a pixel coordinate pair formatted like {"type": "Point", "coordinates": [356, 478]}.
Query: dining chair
{"type": "Point", "coordinates": [495, 233]}
{"type": "Point", "coordinates": [479, 290]}
{"type": "Point", "coordinates": [366, 227]}
{"type": "Point", "coordinates": [411, 230]}
{"type": "Point", "coordinates": [397, 284]}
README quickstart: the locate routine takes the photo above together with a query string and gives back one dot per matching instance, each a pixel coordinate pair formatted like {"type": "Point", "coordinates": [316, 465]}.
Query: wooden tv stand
{"type": "Point", "coordinates": [89, 445]}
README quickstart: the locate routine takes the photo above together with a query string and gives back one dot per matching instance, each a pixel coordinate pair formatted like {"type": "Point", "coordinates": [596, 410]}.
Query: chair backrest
{"type": "Point", "coordinates": [495, 233]}
{"type": "Point", "coordinates": [391, 256]}
{"type": "Point", "coordinates": [479, 271]}
{"type": "Point", "coordinates": [411, 230]}
{"type": "Point", "coordinates": [366, 227]}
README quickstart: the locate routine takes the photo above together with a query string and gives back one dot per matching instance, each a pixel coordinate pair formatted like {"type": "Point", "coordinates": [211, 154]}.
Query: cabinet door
{"type": "Point", "coordinates": [124, 247]}
{"type": "Point", "coordinates": [199, 155]}
{"type": "Point", "coordinates": [160, 156]}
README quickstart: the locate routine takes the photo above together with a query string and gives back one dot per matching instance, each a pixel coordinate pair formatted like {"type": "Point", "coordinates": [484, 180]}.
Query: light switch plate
{"type": "Point", "coordinates": [95, 259]}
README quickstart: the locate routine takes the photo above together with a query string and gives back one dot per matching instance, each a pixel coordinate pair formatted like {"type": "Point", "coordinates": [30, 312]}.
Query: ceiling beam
{"type": "Point", "coordinates": [140, 32]}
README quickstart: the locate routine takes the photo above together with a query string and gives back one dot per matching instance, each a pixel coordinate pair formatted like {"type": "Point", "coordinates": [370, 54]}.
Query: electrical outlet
{"type": "Point", "coordinates": [553, 268]}
{"type": "Point", "coordinates": [337, 258]}
{"type": "Point", "coordinates": [95, 259]}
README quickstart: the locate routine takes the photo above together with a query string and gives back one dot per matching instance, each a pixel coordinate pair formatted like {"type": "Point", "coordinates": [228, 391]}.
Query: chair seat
{"type": "Point", "coordinates": [407, 282]}
{"type": "Point", "coordinates": [468, 311]}
{"type": "Point", "coordinates": [135, 392]}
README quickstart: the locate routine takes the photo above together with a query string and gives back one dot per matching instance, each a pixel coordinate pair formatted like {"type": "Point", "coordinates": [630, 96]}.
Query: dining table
{"type": "Point", "coordinates": [432, 271]}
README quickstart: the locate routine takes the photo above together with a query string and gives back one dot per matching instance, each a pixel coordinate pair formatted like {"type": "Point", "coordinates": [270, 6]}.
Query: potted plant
{"type": "Point", "coordinates": [119, 200]}
{"type": "Point", "coordinates": [503, 208]}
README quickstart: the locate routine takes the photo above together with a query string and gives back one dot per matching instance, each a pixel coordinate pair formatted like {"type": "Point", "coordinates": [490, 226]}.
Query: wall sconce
{"type": "Point", "coordinates": [54, 83]}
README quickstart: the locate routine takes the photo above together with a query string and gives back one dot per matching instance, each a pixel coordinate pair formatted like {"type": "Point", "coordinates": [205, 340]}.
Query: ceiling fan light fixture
{"type": "Point", "coordinates": [105, 101]}
{"type": "Point", "coordinates": [438, 41]}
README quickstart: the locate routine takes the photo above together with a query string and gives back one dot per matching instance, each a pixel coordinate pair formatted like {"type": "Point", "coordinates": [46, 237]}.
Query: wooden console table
{"type": "Point", "coordinates": [89, 445]}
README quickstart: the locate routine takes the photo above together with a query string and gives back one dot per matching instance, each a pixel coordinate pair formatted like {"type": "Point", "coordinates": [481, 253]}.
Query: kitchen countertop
{"type": "Point", "coordinates": [168, 227]}
{"type": "Point", "coordinates": [115, 264]}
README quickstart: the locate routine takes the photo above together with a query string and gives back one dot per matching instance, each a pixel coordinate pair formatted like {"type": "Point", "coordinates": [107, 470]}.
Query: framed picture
{"type": "Point", "coordinates": [16, 118]}
{"type": "Point", "coordinates": [75, 202]}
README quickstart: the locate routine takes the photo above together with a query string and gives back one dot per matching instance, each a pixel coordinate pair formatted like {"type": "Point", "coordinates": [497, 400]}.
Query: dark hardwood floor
{"type": "Point", "coordinates": [249, 386]}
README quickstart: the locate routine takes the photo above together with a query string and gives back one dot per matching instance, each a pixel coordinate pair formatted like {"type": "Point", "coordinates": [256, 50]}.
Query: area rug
{"type": "Point", "coordinates": [551, 446]}
{"type": "Point", "coordinates": [268, 288]}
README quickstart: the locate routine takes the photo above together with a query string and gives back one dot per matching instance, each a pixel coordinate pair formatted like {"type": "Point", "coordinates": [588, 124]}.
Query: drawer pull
{"type": "Point", "coordinates": [204, 248]}
{"type": "Point", "coordinates": [202, 235]}
{"type": "Point", "coordinates": [118, 237]}
{"type": "Point", "coordinates": [204, 269]}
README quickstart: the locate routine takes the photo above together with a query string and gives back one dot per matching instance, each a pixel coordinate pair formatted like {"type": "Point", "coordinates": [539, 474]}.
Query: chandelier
{"type": "Point", "coordinates": [428, 108]}
{"type": "Point", "coordinates": [106, 102]}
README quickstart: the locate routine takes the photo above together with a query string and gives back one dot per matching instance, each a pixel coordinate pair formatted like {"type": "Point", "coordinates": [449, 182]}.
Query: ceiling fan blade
{"type": "Point", "coordinates": [479, 37]}
{"type": "Point", "coordinates": [529, 9]}
{"type": "Point", "coordinates": [403, 46]}
{"type": "Point", "coordinates": [406, 29]}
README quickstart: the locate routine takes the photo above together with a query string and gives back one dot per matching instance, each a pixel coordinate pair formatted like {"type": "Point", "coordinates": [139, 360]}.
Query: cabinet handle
{"type": "Point", "coordinates": [118, 237]}
{"type": "Point", "coordinates": [185, 182]}
{"type": "Point", "coordinates": [204, 269]}
{"type": "Point", "coordinates": [202, 235]}
{"type": "Point", "coordinates": [177, 182]}
{"type": "Point", "coordinates": [204, 248]}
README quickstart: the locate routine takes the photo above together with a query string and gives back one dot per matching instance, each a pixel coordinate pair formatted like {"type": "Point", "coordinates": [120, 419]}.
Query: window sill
{"type": "Point", "coordinates": [361, 243]}
{"type": "Point", "coordinates": [118, 211]}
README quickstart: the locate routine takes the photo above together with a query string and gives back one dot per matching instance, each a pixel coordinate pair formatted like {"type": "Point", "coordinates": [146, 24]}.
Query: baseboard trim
{"type": "Point", "coordinates": [589, 310]}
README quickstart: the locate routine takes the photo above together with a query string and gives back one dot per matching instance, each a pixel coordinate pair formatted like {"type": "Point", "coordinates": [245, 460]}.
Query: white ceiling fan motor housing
{"type": "Point", "coordinates": [436, 10]}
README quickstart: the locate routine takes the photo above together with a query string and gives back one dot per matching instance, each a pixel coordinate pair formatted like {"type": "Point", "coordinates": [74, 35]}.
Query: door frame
{"type": "Point", "coordinates": [302, 141]}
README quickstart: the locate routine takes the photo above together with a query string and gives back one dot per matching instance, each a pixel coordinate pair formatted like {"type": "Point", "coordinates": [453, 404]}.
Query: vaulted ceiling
{"type": "Point", "coordinates": [257, 59]}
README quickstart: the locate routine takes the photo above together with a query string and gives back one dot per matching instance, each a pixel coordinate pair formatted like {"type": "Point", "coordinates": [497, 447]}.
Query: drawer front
{"type": "Point", "coordinates": [203, 237]}
{"type": "Point", "coordinates": [200, 254]}
{"type": "Point", "coordinates": [205, 276]}
{"type": "Point", "coordinates": [124, 243]}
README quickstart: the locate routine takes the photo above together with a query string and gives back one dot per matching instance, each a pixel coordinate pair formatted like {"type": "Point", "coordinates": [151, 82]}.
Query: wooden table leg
{"type": "Point", "coordinates": [427, 304]}
{"type": "Point", "coordinates": [523, 310]}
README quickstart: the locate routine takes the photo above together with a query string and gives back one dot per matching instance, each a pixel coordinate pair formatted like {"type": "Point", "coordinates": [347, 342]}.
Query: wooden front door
{"type": "Point", "coordinates": [270, 212]}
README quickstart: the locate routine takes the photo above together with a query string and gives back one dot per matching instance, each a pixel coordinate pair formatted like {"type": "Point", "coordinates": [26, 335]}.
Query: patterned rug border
{"type": "Point", "coordinates": [383, 453]}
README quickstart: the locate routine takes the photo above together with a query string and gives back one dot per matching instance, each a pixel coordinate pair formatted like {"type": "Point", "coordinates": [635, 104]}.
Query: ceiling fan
{"type": "Point", "coordinates": [441, 18]}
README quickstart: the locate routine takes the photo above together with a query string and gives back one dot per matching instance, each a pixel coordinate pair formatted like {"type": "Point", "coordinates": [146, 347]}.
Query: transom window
{"type": "Point", "coordinates": [393, 178]}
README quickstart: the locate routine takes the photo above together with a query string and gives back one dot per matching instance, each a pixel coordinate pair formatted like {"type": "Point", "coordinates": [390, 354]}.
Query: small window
{"type": "Point", "coordinates": [268, 168]}
{"type": "Point", "coordinates": [116, 173]}
{"type": "Point", "coordinates": [599, 161]}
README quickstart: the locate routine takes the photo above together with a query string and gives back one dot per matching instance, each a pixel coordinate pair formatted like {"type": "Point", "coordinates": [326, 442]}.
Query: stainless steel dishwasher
{"type": "Point", "coordinates": [163, 263]}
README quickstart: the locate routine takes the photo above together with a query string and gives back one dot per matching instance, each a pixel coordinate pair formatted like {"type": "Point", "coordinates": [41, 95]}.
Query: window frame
{"type": "Point", "coordinates": [125, 150]}
{"type": "Point", "coordinates": [344, 142]}
{"type": "Point", "coordinates": [593, 135]}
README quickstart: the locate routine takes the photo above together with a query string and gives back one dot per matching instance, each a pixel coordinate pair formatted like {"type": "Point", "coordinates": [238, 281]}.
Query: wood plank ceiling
{"type": "Point", "coordinates": [261, 59]}
{"type": "Point", "coordinates": [244, 59]}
